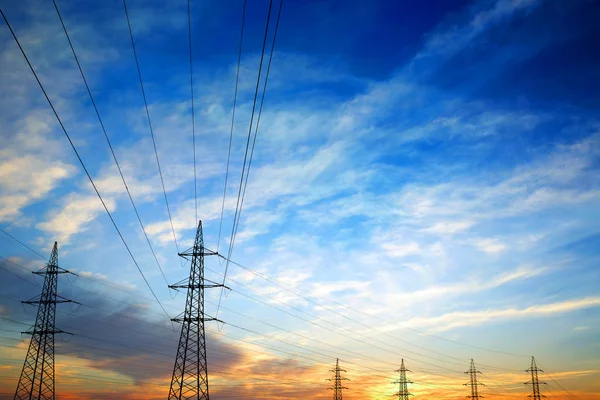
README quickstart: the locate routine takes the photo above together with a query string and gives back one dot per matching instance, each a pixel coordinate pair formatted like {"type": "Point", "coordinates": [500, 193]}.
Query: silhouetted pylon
{"type": "Point", "coordinates": [190, 373]}
{"type": "Point", "coordinates": [535, 383]}
{"type": "Point", "coordinates": [337, 381]}
{"type": "Point", "coordinates": [472, 372]}
{"type": "Point", "coordinates": [37, 376]}
{"type": "Point", "coordinates": [403, 393]}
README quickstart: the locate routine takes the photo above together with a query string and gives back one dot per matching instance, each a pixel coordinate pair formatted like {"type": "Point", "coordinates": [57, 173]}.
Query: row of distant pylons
{"type": "Point", "coordinates": [403, 382]}
{"type": "Point", "coordinates": [190, 372]}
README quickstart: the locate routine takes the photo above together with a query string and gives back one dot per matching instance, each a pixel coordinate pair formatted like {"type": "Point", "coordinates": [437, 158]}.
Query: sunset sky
{"type": "Point", "coordinates": [425, 186]}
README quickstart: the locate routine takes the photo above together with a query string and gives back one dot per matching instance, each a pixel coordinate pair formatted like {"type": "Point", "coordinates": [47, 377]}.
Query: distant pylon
{"type": "Point", "coordinates": [190, 373]}
{"type": "Point", "coordinates": [403, 393]}
{"type": "Point", "coordinates": [472, 372]}
{"type": "Point", "coordinates": [535, 383]}
{"type": "Point", "coordinates": [337, 381]}
{"type": "Point", "coordinates": [37, 376]}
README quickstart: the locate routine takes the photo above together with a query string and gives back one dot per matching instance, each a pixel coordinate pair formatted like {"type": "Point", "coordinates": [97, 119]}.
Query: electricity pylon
{"type": "Point", "coordinates": [403, 393]}
{"type": "Point", "coordinates": [190, 373]}
{"type": "Point", "coordinates": [472, 372]}
{"type": "Point", "coordinates": [337, 381]}
{"type": "Point", "coordinates": [37, 376]}
{"type": "Point", "coordinates": [535, 383]}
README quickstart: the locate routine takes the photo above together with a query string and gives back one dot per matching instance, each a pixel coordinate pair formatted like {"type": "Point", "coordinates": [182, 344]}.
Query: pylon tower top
{"type": "Point", "coordinates": [473, 383]}
{"type": "Point", "coordinates": [337, 381]}
{"type": "Point", "coordinates": [402, 382]}
{"type": "Point", "coordinates": [534, 382]}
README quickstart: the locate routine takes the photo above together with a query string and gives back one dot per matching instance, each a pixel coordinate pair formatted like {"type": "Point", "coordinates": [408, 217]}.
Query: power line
{"type": "Point", "coordinates": [239, 204]}
{"type": "Point", "coordinates": [280, 284]}
{"type": "Point", "coordinates": [142, 346]}
{"type": "Point", "coordinates": [193, 113]}
{"type": "Point", "coordinates": [81, 161]}
{"type": "Point", "coordinates": [137, 63]}
{"type": "Point", "coordinates": [571, 395]}
{"type": "Point", "coordinates": [285, 287]}
{"type": "Point", "coordinates": [237, 78]}
{"type": "Point", "coordinates": [262, 101]}
{"type": "Point", "coordinates": [336, 332]}
{"type": "Point", "coordinates": [254, 343]}
{"type": "Point", "coordinates": [290, 344]}
{"type": "Point", "coordinates": [108, 141]}
{"type": "Point", "coordinates": [17, 240]}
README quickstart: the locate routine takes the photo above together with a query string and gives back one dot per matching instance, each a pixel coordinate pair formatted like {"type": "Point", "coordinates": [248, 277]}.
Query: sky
{"type": "Point", "coordinates": [425, 186]}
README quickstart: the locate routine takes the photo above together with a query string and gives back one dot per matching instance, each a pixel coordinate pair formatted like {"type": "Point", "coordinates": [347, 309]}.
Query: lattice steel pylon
{"type": "Point", "coordinates": [37, 376]}
{"type": "Point", "coordinates": [402, 383]}
{"type": "Point", "coordinates": [337, 381]}
{"type": "Point", "coordinates": [472, 372]}
{"type": "Point", "coordinates": [190, 373]}
{"type": "Point", "coordinates": [535, 383]}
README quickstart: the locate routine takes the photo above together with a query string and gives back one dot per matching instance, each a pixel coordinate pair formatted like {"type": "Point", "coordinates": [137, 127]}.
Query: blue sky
{"type": "Point", "coordinates": [434, 165]}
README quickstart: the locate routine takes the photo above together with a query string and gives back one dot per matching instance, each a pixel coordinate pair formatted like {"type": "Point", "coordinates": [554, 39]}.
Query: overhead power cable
{"type": "Point", "coordinates": [189, 12]}
{"type": "Point", "coordinates": [81, 162]}
{"type": "Point", "coordinates": [237, 79]}
{"type": "Point", "coordinates": [108, 140]}
{"type": "Point", "coordinates": [162, 181]}
{"type": "Point", "coordinates": [236, 217]}
{"type": "Point", "coordinates": [287, 288]}
{"type": "Point", "coordinates": [22, 244]}
{"type": "Point", "coordinates": [262, 102]}
{"type": "Point", "coordinates": [569, 393]}
{"type": "Point", "coordinates": [283, 286]}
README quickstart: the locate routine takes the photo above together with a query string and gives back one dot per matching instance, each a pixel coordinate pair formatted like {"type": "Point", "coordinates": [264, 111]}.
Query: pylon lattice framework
{"type": "Point", "coordinates": [337, 381]}
{"type": "Point", "coordinates": [472, 372]}
{"type": "Point", "coordinates": [403, 393]}
{"type": "Point", "coordinates": [535, 383]}
{"type": "Point", "coordinates": [37, 379]}
{"type": "Point", "coordinates": [190, 373]}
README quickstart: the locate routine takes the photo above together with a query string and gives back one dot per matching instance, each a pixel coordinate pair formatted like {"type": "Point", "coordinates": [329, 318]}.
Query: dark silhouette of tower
{"type": "Point", "coordinates": [535, 383]}
{"type": "Point", "coordinates": [472, 372]}
{"type": "Point", "coordinates": [403, 393]}
{"type": "Point", "coordinates": [190, 373]}
{"type": "Point", "coordinates": [337, 381]}
{"type": "Point", "coordinates": [37, 376]}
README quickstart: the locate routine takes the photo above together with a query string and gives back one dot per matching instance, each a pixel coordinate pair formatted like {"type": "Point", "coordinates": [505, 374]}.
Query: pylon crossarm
{"type": "Point", "coordinates": [48, 301]}
{"type": "Point", "coordinates": [216, 284]}
{"type": "Point", "coordinates": [184, 319]}
{"type": "Point", "coordinates": [56, 270]}
{"type": "Point", "coordinates": [192, 253]}
{"type": "Point", "coordinates": [200, 286]}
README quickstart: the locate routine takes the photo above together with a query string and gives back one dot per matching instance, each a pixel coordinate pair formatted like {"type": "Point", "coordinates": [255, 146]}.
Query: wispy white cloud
{"type": "Point", "coordinates": [401, 250]}
{"type": "Point", "coordinates": [465, 286]}
{"type": "Point", "coordinates": [450, 227]}
{"type": "Point", "coordinates": [469, 318]}
{"type": "Point", "coordinates": [77, 211]}
{"type": "Point", "coordinates": [29, 170]}
{"type": "Point", "coordinates": [483, 15]}
{"type": "Point", "coordinates": [489, 245]}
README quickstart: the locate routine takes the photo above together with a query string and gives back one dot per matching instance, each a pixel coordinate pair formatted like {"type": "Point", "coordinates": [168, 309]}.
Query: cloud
{"type": "Point", "coordinates": [463, 287]}
{"type": "Point", "coordinates": [449, 227]}
{"type": "Point", "coordinates": [327, 289]}
{"type": "Point", "coordinates": [450, 39]}
{"type": "Point", "coordinates": [28, 170]}
{"type": "Point", "coordinates": [490, 245]}
{"type": "Point", "coordinates": [470, 318]}
{"type": "Point", "coordinates": [77, 211]}
{"type": "Point", "coordinates": [401, 250]}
